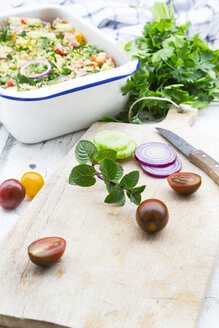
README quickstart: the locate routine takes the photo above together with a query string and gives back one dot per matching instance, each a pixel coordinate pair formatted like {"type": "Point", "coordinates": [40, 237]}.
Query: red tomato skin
{"type": "Point", "coordinates": [152, 215]}
{"type": "Point", "coordinates": [48, 259]}
{"type": "Point", "coordinates": [60, 52]}
{"type": "Point", "coordinates": [12, 193]}
{"type": "Point", "coordinates": [190, 183]}
{"type": "Point", "coordinates": [10, 83]}
{"type": "Point", "coordinates": [23, 21]}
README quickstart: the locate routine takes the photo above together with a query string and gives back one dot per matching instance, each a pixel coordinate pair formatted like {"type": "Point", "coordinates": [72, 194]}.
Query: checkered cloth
{"type": "Point", "coordinates": [123, 22]}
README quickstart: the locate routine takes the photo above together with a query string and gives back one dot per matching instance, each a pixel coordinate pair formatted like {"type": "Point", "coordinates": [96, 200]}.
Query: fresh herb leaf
{"type": "Point", "coordinates": [24, 79]}
{"type": "Point", "coordinates": [109, 119]}
{"type": "Point", "coordinates": [23, 33]}
{"type": "Point", "coordinates": [5, 34]}
{"type": "Point", "coordinates": [173, 65]}
{"type": "Point", "coordinates": [66, 71]}
{"type": "Point", "coordinates": [138, 189]}
{"type": "Point", "coordinates": [20, 48]}
{"type": "Point", "coordinates": [9, 56]}
{"type": "Point", "coordinates": [116, 196]}
{"type": "Point", "coordinates": [60, 36]}
{"type": "Point", "coordinates": [134, 194]}
{"type": "Point", "coordinates": [106, 153]}
{"type": "Point", "coordinates": [3, 79]}
{"type": "Point", "coordinates": [85, 151]}
{"type": "Point", "coordinates": [111, 170]}
{"type": "Point", "coordinates": [82, 175]}
{"type": "Point", "coordinates": [130, 180]}
{"type": "Point", "coordinates": [162, 54]}
{"type": "Point", "coordinates": [109, 185]}
{"type": "Point", "coordinates": [135, 197]}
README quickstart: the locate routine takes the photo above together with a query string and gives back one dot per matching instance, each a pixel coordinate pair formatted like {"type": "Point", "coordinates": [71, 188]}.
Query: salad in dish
{"type": "Point", "coordinates": [36, 53]}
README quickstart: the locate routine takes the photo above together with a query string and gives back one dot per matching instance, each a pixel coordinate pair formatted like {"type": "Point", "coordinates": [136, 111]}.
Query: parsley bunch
{"type": "Point", "coordinates": [173, 65]}
{"type": "Point", "coordinates": [110, 172]}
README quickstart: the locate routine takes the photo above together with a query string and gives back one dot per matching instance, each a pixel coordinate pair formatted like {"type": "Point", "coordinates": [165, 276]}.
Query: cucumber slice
{"type": "Point", "coordinates": [111, 139]}
{"type": "Point", "coordinates": [125, 153]}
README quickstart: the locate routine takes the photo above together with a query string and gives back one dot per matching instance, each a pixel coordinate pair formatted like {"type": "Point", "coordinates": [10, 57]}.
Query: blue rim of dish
{"type": "Point", "coordinates": [86, 86]}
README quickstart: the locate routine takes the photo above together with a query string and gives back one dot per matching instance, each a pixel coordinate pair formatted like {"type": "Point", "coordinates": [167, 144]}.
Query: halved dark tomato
{"type": "Point", "coordinates": [46, 251]}
{"type": "Point", "coordinates": [184, 183]}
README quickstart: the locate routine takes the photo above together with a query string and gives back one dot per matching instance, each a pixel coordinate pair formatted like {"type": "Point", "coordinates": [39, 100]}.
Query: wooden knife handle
{"type": "Point", "coordinates": [206, 163]}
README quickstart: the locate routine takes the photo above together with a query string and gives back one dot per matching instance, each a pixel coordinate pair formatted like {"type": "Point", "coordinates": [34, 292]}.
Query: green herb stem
{"type": "Point", "coordinates": [99, 175]}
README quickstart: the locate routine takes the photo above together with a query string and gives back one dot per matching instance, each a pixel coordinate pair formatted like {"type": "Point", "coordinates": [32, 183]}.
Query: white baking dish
{"type": "Point", "coordinates": [51, 111]}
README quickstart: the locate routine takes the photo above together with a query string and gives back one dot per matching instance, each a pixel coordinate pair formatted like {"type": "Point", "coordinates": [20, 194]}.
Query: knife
{"type": "Point", "coordinates": [198, 157]}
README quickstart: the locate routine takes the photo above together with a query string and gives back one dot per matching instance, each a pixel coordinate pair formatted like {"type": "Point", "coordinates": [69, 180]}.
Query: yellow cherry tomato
{"type": "Point", "coordinates": [79, 37]}
{"type": "Point", "coordinates": [32, 182]}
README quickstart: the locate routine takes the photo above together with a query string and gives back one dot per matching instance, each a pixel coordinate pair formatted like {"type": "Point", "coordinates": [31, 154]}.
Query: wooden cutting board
{"type": "Point", "coordinates": [113, 274]}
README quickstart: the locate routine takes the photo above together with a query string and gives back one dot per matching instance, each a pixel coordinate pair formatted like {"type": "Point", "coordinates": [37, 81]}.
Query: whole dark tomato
{"type": "Point", "coordinates": [152, 215]}
{"type": "Point", "coordinates": [12, 193]}
{"type": "Point", "coordinates": [184, 183]}
{"type": "Point", "coordinates": [46, 251]}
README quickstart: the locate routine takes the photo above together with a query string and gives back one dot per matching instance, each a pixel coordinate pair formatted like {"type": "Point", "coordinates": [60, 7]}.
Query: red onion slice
{"type": "Point", "coordinates": [36, 61]}
{"type": "Point", "coordinates": [156, 154]}
{"type": "Point", "coordinates": [163, 172]}
{"type": "Point", "coordinates": [4, 58]}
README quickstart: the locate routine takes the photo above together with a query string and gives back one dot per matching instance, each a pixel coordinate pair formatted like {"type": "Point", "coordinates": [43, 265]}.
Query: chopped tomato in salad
{"type": "Point", "coordinates": [10, 83]}
{"type": "Point", "coordinates": [35, 53]}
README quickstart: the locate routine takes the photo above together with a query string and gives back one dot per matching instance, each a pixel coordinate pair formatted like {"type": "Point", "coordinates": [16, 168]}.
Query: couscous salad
{"type": "Point", "coordinates": [35, 53]}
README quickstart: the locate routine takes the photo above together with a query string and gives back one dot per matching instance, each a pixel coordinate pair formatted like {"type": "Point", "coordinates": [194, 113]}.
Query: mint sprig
{"type": "Point", "coordinates": [103, 165]}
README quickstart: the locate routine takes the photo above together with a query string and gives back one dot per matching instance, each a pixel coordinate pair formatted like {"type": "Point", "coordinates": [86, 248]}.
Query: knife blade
{"type": "Point", "coordinates": [197, 156]}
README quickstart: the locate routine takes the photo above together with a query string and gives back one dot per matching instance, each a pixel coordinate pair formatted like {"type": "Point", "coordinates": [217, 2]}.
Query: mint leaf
{"type": "Point", "coordinates": [120, 171]}
{"type": "Point", "coordinates": [106, 153]}
{"type": "Point", "coordinates": [109, 186]}
{"type": "Point", "coordinates": [82, 175]}
{"type": "Point", "coordinates": [111, 170]}
{"type": "Point", "coordinates": [130, 180]}
{"type": "Point", "coordinates": [116, 196]}
{"type": "Point", "coordinates": [138, 189]}
{"type": "Point", "coordinates": [134, 197]}
{"type": "Point", "coordinates": [134, 194]}
{"type": "Point", "coordinates": [85, 151]}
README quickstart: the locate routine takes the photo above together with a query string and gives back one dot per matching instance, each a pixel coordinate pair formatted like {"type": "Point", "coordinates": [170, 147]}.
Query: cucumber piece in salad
{"type": "Point", "coordinates": [115, 140]}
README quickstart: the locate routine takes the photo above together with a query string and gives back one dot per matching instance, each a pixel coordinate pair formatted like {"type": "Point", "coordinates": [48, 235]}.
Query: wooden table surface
{"type": "Point", "coordinates": [17, 158]}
